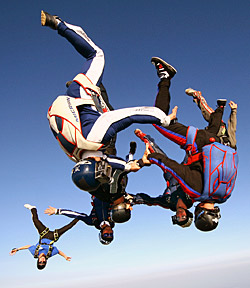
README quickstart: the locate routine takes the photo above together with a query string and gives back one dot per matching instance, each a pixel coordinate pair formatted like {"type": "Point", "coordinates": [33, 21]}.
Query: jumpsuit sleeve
{"type": "Point", "coordinates": [76, 215]}
{"type": "Point", "coordinates": [231, 128]}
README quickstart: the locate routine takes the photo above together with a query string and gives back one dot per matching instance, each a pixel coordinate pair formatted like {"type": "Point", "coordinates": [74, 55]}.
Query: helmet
{"type": "Point", "coordinates": [206, 219]}
{"type": "Point", "coordinates": [106, 238]}
{"type": "Point", "coordinates": [83, 175]}
{"type": "Point", "coordinates": [40, 265]}
{"type": "Point", "coordinates": [120, 213]}
{"type": "Point", "coordinates": [185, 222]}
{"type": "Point", "coordinates": [89, 174]}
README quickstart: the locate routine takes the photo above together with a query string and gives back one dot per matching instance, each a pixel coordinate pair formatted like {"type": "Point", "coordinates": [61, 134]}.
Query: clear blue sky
{"type": "Point", "coordinates": [208, 42]}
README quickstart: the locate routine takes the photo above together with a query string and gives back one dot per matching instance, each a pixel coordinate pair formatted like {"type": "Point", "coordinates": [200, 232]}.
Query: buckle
{"type": "Point", "coordinates": [103, 171]}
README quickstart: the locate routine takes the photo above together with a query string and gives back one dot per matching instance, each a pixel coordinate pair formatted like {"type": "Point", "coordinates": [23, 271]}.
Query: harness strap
{"type": "Point", "coordinates": [50, 250]}
{"type": "Point", "coordinates": [93, 91]}
{"type": "Point", "coordinates": [114, 185]}
{"type": "Point", "coordinates": [56, 235]}
{"type": "Point", "coordinates": [190, 143]}
{"type": "Point", "coordinates": [193, 158]}
{"type": "Point", "coordinates": [44, 232]}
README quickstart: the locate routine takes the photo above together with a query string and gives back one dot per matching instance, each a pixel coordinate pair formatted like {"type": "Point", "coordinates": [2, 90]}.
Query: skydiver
{"type": "Point", "coordinates": [192, 176]}
{"type": "Point", "coordinates": [173, 198]}
{"type": "Point", "coordinates": [81, 122]}
{"type": "Point", "coordinates": [99, 217]}
{"type": "Point", "coordinates": [45, 248]}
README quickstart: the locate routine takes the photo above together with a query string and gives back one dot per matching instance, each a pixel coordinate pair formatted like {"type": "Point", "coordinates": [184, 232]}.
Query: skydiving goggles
{"type": "Point", "coordinates": [199, 211]}
{"type": "Point", "coordinates": [184, 221]}
{"type": "Point", "coordinates": [106, 238]}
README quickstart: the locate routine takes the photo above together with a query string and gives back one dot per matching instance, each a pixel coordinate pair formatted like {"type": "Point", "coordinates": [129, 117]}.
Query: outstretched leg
{"type": "Point", "coordinates": [190, 180]}
{"type": "Point", "coordinates": [38, 224]}
{"type": "Point", "coordinates": [201, 102]}
{"type": "Point", "coordinates": [65, 228]}
{"type": "Point", "coordinates": [94, 65]}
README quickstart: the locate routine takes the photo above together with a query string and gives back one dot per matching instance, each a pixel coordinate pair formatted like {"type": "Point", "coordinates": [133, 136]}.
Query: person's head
{"type": "Point", "coordinates": [106, 235]}
{"type": "Point", "coordinates": [183, 217]}
{"type": "Point", "coordinates": [89, 174]}
{"type": "Point", "coordinates": [121, 210]}
{"type": "Point", "coordinates": [206, 216]}
{"type": "Point", "coordinates": [41, 261]}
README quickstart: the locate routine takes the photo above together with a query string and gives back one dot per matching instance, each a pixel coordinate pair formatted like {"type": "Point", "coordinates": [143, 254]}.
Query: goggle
{"type": "Point", "coordinates": [176, 219]}
{"type": "Point", "coordinates": [212, 212]}
{"type": "Point", "coordinates": [183, 221]}
{"type": "Point", "coordinates": [103, 241]}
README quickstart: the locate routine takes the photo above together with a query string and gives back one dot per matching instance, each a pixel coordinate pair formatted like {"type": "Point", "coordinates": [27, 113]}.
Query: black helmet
{"type": "Point", "coordinates": [42, 265]}
{"type": "Point", "coordinates": [89, 174]}
{"type": "Point", "coordinates": [206, 219]}
{"type": "Point", "coordinates": [185, 222]}
{"type": "Point", "coordinates": [120, 213]}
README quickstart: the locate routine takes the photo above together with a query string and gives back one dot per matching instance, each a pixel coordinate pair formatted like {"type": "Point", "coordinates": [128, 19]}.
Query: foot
{"type": "Point", "coordinates": [132, 147]}
{"type": "Point", "coordinates": [192, 92]}
{"type": "Point", "coordinates": [164, 70]}
{"type": "Point", "coordinates": [153, 147]}
{"type": "Point", "coordinates": [28, 206]}
{"type": "Point", "coordinates": [68, 83]}
{"type": "Point", "coordinates": [221, 102]}
{"type": "Point", "coordinates": [49, 20]}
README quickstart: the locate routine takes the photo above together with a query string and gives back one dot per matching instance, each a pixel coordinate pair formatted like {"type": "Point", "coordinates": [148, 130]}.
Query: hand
{"type": "Point", "coordinates": [68, 258]}
{"type": "Point", "coordinates": [232, 105]}
{"type": "Point", "coordinates": [13, 251]}
{"type": "Point", "coordinates": [97, 159]}
{"type": "Point", "coordinates": [172, 116]}
{"type": "Point", "coordinates": [50, 211]}
{"type": "Point", "coordinates": [134, 166]}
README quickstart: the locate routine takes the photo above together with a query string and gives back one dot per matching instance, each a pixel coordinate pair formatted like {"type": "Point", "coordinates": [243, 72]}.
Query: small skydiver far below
{"type": "Point", "coordinates": [45, 248]}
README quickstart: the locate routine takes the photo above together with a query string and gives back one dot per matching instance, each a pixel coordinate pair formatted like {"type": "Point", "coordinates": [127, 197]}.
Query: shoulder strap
{"type": "Point", "coordinates": [93, 91]}
{"type": "Point", "coordinates": [190, 145]}
{"type": "Point", "coordinates": [115, 180]}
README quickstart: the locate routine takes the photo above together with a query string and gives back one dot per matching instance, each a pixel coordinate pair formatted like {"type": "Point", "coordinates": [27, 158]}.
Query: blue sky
{"type": "Point", "coordinates": [208, 43]}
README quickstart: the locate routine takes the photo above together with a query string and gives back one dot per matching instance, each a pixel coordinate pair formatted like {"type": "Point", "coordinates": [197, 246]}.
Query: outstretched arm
{"type": "Point", "coordinates": [50, 211]}
{"type": "Point", "coordinates": [64, 255]}
{"type": "Point", "coordinates": [14, 250]}
{"type": "Point", "coordinates": [232, 122]}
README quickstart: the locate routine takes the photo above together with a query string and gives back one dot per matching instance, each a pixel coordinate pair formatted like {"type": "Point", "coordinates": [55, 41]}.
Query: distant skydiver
{"type": "Point", "coordinates": [82, 123]}
{"type": "Point", "coordinates": [210, 173]}
{"type": "Point", "coordinates": [45, 248]}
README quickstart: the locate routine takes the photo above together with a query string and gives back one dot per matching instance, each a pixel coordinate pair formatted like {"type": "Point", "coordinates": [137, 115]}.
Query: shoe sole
{"type": "Point", "coordinates": [155, 60]}
{"type": "Point", "coordinates": [43, 18]}
{"type": "Point", "coordinates": [193, 92]}
{"type": "Point", "coordinates": [48, 20]}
